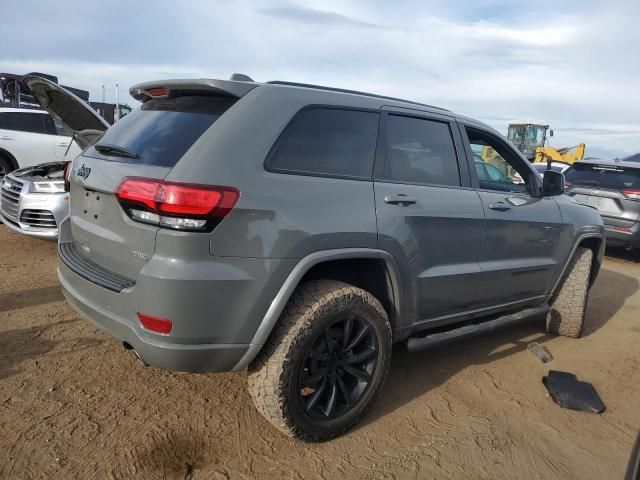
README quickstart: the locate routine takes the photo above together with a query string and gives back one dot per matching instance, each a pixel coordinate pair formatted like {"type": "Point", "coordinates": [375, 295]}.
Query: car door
{"type": "Point", "coordinates": [64, 146]}
{"type": "Point", "coordinates": [429, 217]}
{"type": "Point", "coordinates": [23, 134]}
{"type": "Point", "coordinates": [522, 228]}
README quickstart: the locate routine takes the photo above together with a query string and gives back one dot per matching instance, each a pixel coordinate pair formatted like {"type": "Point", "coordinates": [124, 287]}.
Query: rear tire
{"type": "Point", "coordinates": [568, 308]}
{"type": "Point", "coordinates": [324, 363]}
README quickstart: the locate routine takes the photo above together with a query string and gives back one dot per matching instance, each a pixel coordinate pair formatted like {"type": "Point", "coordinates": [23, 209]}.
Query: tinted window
{"type": "Point", "coordinates": [505, 171]}
{"type": "Point", "coordinates": [326, 141]}
{"type": "Point", "coordinates": [54, 127]}
{"type": "Point", "coordinates": [603, 176]}
{"type": "Point", "coordinates": [22, 122]}
{"type": "Point", "coordinates": [420, 151]}
{"type": "Point", "coordinates": [162, 130]}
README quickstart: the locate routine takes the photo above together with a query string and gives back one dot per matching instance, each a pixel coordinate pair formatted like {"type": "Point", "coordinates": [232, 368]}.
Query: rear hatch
{"type": "Point", "coordinates": [614, 189]}
{"type": "Point", "coordinates": [145, 144]}
{"type": "Point", "coordinates": [85, 124]}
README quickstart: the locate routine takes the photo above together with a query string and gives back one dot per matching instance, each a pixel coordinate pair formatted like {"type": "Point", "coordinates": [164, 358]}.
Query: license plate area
{"type": "Point", "coordinates": [92, 207]}
{"type": "Point", "coordinates": [603, 204]}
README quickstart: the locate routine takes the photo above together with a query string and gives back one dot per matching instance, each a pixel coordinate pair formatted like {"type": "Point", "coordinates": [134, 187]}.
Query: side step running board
{"type": "Point", "coordinates": [421, 343]}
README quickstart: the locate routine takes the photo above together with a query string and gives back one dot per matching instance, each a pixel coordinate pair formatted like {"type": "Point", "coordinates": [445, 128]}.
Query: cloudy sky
{"type": "Point", "coordinates": [574, 64]}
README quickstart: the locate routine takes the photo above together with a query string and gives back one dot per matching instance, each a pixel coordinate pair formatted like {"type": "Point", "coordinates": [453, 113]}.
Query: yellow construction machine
{"type": "Point", "coordinates": [532, 140]}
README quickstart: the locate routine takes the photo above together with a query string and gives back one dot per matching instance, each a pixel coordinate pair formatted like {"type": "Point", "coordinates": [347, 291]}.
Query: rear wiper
{"type": "Point", "coordinates": [116, 151]}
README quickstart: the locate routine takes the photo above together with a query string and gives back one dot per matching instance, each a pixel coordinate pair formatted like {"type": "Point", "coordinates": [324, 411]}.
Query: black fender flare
{"type": "Point", "coordinates": [291, 283]}
{"type": "Point", "coordinates": [585, 233]}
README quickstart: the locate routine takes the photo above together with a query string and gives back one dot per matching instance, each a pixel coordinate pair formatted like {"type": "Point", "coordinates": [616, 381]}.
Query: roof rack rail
{"type": "Point", "coordinates": [353, 92]}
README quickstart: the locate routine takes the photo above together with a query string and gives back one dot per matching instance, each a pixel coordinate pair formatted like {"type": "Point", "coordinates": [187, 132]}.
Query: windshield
{"type": "Point", "coordinates": [603, 176]}
{"type": "Point", "coordinates": [529, 135]}
{"type": "Point", "coordinates": [161, 130]}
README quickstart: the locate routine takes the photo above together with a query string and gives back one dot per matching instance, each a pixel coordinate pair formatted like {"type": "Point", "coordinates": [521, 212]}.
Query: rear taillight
{"type": "Point", "coordinates": [632, 194]}
{"type": "Point", "coordinates": [622, 229]}
{"type": "Point", "coordinates": [158, 92]}
{"type": "Point", "coordinates": [176, 205]}
{"type": "Point", "coordinates": [155, 324]}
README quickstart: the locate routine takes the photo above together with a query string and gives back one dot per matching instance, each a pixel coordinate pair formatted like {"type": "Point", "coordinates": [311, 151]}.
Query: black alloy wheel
{"type": "Point", "coordinates": [338, 368]}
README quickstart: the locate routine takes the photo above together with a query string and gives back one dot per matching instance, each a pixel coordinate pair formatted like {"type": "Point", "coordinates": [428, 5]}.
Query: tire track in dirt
{"type": "Point", "coordinates": [475, 408]}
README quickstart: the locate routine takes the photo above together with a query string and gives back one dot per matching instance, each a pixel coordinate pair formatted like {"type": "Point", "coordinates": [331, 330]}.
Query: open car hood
{"type": "Point", "coordinates": [86, 125]}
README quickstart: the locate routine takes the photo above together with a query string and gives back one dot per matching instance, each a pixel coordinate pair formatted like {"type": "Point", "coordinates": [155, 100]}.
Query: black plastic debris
{"type": "Point", "coordinates": [540, 351]}
{"type": "Point", "coordinates": [568, 392]}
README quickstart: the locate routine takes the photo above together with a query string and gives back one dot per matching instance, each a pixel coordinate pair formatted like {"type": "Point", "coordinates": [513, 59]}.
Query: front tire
{"type": "Point", "coordinates": [5, 167]}
{"type": "Point", "coordinates": [568, 308]}
{"type": "Point", "coordinates": [324, 363]}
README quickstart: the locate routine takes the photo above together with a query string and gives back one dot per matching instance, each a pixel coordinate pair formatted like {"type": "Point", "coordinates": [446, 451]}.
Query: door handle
{"type": "Point", "coordinates": [499, 206]}
{"type": "Point", "coordinates": [400, 200]}
{"type": "Point", "coordinates": [63, 144]}
{"type": "Point", "coordinates": [4, 137]}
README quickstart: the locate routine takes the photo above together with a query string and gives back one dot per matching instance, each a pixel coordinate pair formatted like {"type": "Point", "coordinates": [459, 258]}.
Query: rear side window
{"type": "Point", "coordinates": [603, 176]}
{"type": "Point", "coordinates": [162, 130]}
{"type": "Point", "coordinates": [54, 127]}
{"type": "Point", "coordinates": [327, 142]}
{"type": "Point", "coordinates": [420, 151]}
{"type": "Point", "coordinates": [23, 122]}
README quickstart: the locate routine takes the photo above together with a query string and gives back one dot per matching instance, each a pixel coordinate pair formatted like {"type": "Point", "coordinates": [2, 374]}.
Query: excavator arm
{"type": "Point", "coordinates": [566, 154]}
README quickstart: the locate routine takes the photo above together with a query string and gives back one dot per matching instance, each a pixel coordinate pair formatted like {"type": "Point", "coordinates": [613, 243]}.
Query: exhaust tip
{"type": "Point", "coordinates": [128, 346]}
{"type": "Point", "coordinates": [140, 359]}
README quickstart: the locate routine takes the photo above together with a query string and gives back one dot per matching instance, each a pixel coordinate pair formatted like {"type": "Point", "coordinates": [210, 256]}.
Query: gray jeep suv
{"type": "Point", "coordinates": [299, 231]}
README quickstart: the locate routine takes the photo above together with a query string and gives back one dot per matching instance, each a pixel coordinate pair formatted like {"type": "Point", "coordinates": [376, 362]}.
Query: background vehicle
{"type": "Point", "coordinates": [613, 187]}
{"type": "Point", "coordinates": [632, 158]}
{"type": "Point", "coordinates": [300, 230]}
{"type": "Point", "coordinates": [34, 200]}
{"type": "Point", "coordinates": [29, 137]}
{"type": "Point", "coordinates": [555, 166]}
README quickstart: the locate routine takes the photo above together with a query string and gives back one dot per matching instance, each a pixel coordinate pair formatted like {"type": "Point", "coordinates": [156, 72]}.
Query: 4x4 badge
{"type": "Point", "coordinates": [84, 172]}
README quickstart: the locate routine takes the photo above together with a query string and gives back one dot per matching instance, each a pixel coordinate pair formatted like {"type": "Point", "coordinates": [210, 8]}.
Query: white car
{"type": "Point", "coordinates": [555, 166]}
{"type": "Point", "coordinates": [29, 137]}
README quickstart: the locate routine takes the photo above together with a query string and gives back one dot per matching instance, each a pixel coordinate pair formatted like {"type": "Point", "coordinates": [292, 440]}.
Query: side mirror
{"type": "Point", "coordinates": [552, 183]}
{"type": "Point", "coordinates": [551, 132]}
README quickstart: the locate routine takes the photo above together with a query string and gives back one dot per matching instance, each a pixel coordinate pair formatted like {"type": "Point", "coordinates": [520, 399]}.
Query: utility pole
{"type": "Point", "coordinates": [116, 114]}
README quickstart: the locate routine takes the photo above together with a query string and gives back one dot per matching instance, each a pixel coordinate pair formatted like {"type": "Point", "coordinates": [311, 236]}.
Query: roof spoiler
{"type": "Point", "coordinates": [237, 87]}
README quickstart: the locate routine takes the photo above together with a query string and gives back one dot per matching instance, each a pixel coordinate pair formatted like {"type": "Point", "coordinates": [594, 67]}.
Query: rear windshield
{"type": "Point", "coordinates": [162, 130]}
{"type": "Point", "coordinates": [603, 176]}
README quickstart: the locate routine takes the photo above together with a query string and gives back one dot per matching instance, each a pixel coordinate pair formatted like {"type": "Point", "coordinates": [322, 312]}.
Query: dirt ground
{"type": "Point", "coordinates": [74, 404]}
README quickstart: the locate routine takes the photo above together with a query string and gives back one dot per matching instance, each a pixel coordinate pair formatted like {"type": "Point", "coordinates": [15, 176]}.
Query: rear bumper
{"type": "Point", "coordinates": [617, 238]}
{"type": "Point", "coordinates": [216, 307]}
{"type": "Point", "coordinates": [156, 352]}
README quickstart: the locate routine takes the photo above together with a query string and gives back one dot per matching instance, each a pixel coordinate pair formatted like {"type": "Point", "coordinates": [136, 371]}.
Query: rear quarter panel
{"type": "Point", "coordinates": [278, 215]}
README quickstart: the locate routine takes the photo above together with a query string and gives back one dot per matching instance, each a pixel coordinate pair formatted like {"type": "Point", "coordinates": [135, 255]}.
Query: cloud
{"type": "Point", "coordinates": [310, 15]}
{"type": "Point", "coordinates": [495, 60]}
